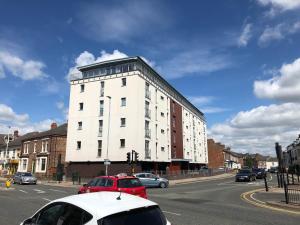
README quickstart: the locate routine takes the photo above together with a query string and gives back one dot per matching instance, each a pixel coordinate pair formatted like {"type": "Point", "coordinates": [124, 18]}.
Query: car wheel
{"type": "Point", "coordinates": [163, 185]}
{"type": "Point", "coordinates": [20, 182]}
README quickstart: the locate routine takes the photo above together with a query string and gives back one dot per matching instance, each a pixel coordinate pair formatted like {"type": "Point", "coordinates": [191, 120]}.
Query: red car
{"type": "Point", "coordinates": [127, 184]}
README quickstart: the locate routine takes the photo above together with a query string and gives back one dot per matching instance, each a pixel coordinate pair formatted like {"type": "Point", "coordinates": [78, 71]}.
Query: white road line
{"type": "Point", "coordinates": [177, 214]}
{"type": "Point", "coordinates": [24, 191]}
{"type": "Point", "coordinates": [46, 199]}
{"type": "Point", "coordinates": [228, 182]}
{"type": "Point", "coordinates": [251, 196]}
{"type": "Point", "coordinates": [39, 191]}
{"type": "Point", "coordinates": [57, 190]}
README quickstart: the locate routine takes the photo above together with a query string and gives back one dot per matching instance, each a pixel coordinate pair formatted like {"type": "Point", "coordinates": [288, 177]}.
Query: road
{"type": "Point", "coordinates": [215, 202]}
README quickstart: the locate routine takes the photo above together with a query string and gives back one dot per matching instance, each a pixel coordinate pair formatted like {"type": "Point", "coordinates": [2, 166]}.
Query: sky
{"type": "Point", "coordinates": [237, 61]}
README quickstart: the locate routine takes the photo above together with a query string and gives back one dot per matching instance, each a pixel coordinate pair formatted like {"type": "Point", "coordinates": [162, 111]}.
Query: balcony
{"type": "Point", "coordinates": [100, 133]}
{"type": "Point", "coordinates": [147, 133]}
{"type": "Point", "coordinates": [148, 113]}
{"type": "Point", "coordinates": [147, 94]}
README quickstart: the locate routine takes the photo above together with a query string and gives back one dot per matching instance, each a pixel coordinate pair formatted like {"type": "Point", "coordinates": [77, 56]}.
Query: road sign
{"type": "Point", "coordinates": [107, 162]}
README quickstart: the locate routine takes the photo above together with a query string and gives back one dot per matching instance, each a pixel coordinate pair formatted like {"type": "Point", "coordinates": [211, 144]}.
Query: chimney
{"type": "Point", "coordinates": [53, 126]}
{"type": "Point", "coordinates": [16, 134]}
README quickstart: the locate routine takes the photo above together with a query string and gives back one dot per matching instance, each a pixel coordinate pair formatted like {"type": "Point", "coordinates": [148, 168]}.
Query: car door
{"type": "Point", "coordinates": [143, 179]}
{"type": "Point", "coordinates": [152, 180]}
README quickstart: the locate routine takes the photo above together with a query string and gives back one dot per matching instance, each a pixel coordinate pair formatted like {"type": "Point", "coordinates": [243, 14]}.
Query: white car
{"type": "Point", "coordinates": [99, 208]}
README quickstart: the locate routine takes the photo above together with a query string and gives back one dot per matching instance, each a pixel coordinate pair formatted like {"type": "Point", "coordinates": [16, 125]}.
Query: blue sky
{"type": "Point", "coordinates": [235, 60]}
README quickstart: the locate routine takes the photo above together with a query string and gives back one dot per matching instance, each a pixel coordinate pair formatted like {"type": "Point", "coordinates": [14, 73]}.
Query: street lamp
{"type": "Point", "coordinates": [106, 161]}
{"type": "Point", "coordinates": [6, 150]}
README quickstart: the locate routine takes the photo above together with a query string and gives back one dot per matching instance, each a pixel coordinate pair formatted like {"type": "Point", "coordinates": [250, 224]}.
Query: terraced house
{"type": "Point", "coordinates": [43, 153]}
{"type": "Point", "coordinates": [122, 105]}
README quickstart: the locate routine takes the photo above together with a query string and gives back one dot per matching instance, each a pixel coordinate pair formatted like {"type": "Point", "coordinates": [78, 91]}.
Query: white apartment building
{"type": "Point", "coordinates": [124, 105]}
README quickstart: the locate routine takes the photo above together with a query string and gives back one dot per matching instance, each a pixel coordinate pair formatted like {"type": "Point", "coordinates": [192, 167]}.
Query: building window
{"type": "Point", "coordinates": [43, 164]}
{"type": "Point", "coordinates": [162, 114]}
{"type": "Point", "coordinates": [162, 131]}
{"type": "Point", "coordinates": [78, 145]}
{"type": "Point", "coordinates": [101, 88]}
{"type": "Point", "coordinates": [122, 143]}
{"type": "Point", "coordinates": [162, 97]}
{"type": "Point", "coordinates": [101, 108]}
{"type": "Point", "coordinates": [82, 88]}
{"type": "Point", "coordinates": [147, 150]}
{"type": "Point", "coordinates": [162, 149]}
{"type": "Point", "coordinates": [100, 128]}
{"type": "Point", "coordinates": [123, 82]}
{"type": "Point", "coordinates": [99, 148]}
{"type": "Point", "coordinates": [123, 122]}
{"type": "Point", "coordinates": [80, 106]}
{"type": "Point", "coordinates": [123, 101]}
{"type": "Point", "coordinates": [25, 148]}
{"type": "Point", "coordinates": [80, 125]}
{"type": "Point", "coordinates": [147, 130]}
{"type": "Point", "coordinates": [173, 122]}
{"type": "Point", "coordinates": [24, 164]}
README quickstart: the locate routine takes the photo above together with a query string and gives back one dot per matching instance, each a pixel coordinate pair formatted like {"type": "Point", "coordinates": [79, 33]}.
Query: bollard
{"type": "Point", "coordinates": [7, 183]}
{"type": "Point", "coordinates": [266, 184]}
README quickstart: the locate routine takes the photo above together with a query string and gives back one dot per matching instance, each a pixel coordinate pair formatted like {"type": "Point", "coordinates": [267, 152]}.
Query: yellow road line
{"type": "Point", "coordinates": [263, 204]}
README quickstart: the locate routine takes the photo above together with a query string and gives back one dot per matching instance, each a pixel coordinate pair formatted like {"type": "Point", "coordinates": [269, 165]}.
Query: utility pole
{"type": "Point", "coordinates": [106, 161]}
{"type": "Point", "coordinates": [6, 150]}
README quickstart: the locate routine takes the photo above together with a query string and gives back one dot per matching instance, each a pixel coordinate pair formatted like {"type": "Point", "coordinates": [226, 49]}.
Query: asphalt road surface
{"type": "Point", "coordinates": [215, 202]}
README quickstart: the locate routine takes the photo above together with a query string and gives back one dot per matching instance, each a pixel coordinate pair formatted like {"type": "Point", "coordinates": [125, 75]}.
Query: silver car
{"type": "Point", "coordinates": [151, 180]}
{"type": "Point", "coordinates": [24, 178]}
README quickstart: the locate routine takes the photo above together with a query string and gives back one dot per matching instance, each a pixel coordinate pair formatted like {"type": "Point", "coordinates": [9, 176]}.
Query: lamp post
{"type": "Point", "coordinates": [106, 161]}
{"type": "Point", "coordinates": [6, 150]}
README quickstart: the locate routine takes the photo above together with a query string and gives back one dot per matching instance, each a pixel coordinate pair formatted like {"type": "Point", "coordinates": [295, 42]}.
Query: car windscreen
{"type": "Point", "coordinates": [142, 216]}
{"type": "Point", "coordinates": [244, 171]}
{"type": "Point", "coordinates": [27, 174]}
{"type": "Point", "coordinates": [129, 183]}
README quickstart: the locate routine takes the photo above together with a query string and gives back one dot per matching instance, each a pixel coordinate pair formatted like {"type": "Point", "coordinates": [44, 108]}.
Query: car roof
{"type": "Point", "coordinates": [107, 202]}
{"type": "Point", "coordinates": [117, 177]}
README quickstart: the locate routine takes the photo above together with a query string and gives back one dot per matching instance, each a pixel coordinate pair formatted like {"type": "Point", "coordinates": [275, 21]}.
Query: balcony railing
{"type": "Point", "coordinates": [147, 153]}
{"type": "Point", "coordinates": [148, 113]}
{"type": "Point", "coordinates": [148, 94]}
{"type": "Point", "coordinates": [147, 133]}
{"type": "Point", "coordinates": [100, 133]}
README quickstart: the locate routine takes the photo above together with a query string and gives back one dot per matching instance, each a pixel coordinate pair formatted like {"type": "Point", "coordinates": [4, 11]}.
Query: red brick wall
{"type": "Point", "coordinates": [215, 154]}
{"type": "Point", "coordinates": [176, 131]}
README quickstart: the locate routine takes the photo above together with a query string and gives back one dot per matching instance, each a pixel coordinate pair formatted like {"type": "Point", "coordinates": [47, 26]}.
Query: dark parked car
{"type": "Point", "coordinates": [245, 175]}
{"type": "Point", "coordinates": [273, 170]}
{"type": "Point", "coordinates": [151, 180]}
{"type": "Point", "coordinates": [259, 172]}
{"type": "Point", "coordinates": [24, 178]}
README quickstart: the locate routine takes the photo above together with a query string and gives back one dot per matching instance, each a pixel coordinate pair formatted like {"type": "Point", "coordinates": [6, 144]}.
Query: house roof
{"type": "Point", "coordinates": [18, 141]}
{"type": "Point", "coordinates": [59, 131]}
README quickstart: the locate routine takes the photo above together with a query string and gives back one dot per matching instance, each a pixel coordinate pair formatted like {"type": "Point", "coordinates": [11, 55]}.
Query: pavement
{"type": "Point", "coordinates": [209, 202]}
{"type": "Point", "coordinates": [274, 199]}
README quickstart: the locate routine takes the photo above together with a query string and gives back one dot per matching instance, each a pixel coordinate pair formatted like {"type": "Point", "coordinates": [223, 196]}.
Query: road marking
{"type": "Point", "coordinates": [57, 190]}
{"type": "Point", "coordinates": [176, 214]}
{"type": "Point", "coordinates": [39, 191]}
{"type": "Point", "coordinates": [24, 191]}
{"type": "Point", "coordinates": [263, 204]}
{"type": "Point", "coordinates": [228, 182]}
{"type": "Point", "coordinates": [46, 199]}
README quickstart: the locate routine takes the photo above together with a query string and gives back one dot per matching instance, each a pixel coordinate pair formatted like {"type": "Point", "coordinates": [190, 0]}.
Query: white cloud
{"type": "Point", "coordinates": [283, 87]}
{"type": "Point", "coordinates": [122, 21]}
{"type": "Point", "coordinates": [203, 102]}
{"type": "Point", "coordinates": [18, 67]}
{"type": "Point", "coordinates": [258, 129]}
{"type": "Point", "coordinates": [86, 58]}
{"type": "Point", "coordinates": [195, 62]}
{"type": "Point", "coordinates": [279, 6]}
{"type": "Point", "coordinates": [278, 32]}
{"type": "Point", "coordinates": [64, 109]}
{"type": "Point", "coordinates": [20, 122]}
{"type": "Point", "coordinates": [7, 114]}
{"type": "Point", "coordinates": [245, 36]}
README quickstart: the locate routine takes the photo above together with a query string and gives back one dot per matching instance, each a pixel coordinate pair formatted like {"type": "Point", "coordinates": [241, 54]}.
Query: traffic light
{"type": "Point", "coordinates": [136, 157]}
{"type": "Point", "coordinates": [128, 158]}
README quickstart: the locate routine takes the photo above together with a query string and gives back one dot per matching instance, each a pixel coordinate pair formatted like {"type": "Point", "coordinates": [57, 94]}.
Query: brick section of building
{"type": "Point", "coordinates": [41, 152]}
{"type": "Point", "coordinates": [176, 128]}
{"type": "Point", "coordinates": [215, 154]}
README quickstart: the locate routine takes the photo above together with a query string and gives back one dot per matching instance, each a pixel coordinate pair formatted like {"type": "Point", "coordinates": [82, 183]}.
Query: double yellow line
{"type": "Point", "coordinates": [248, 197]}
